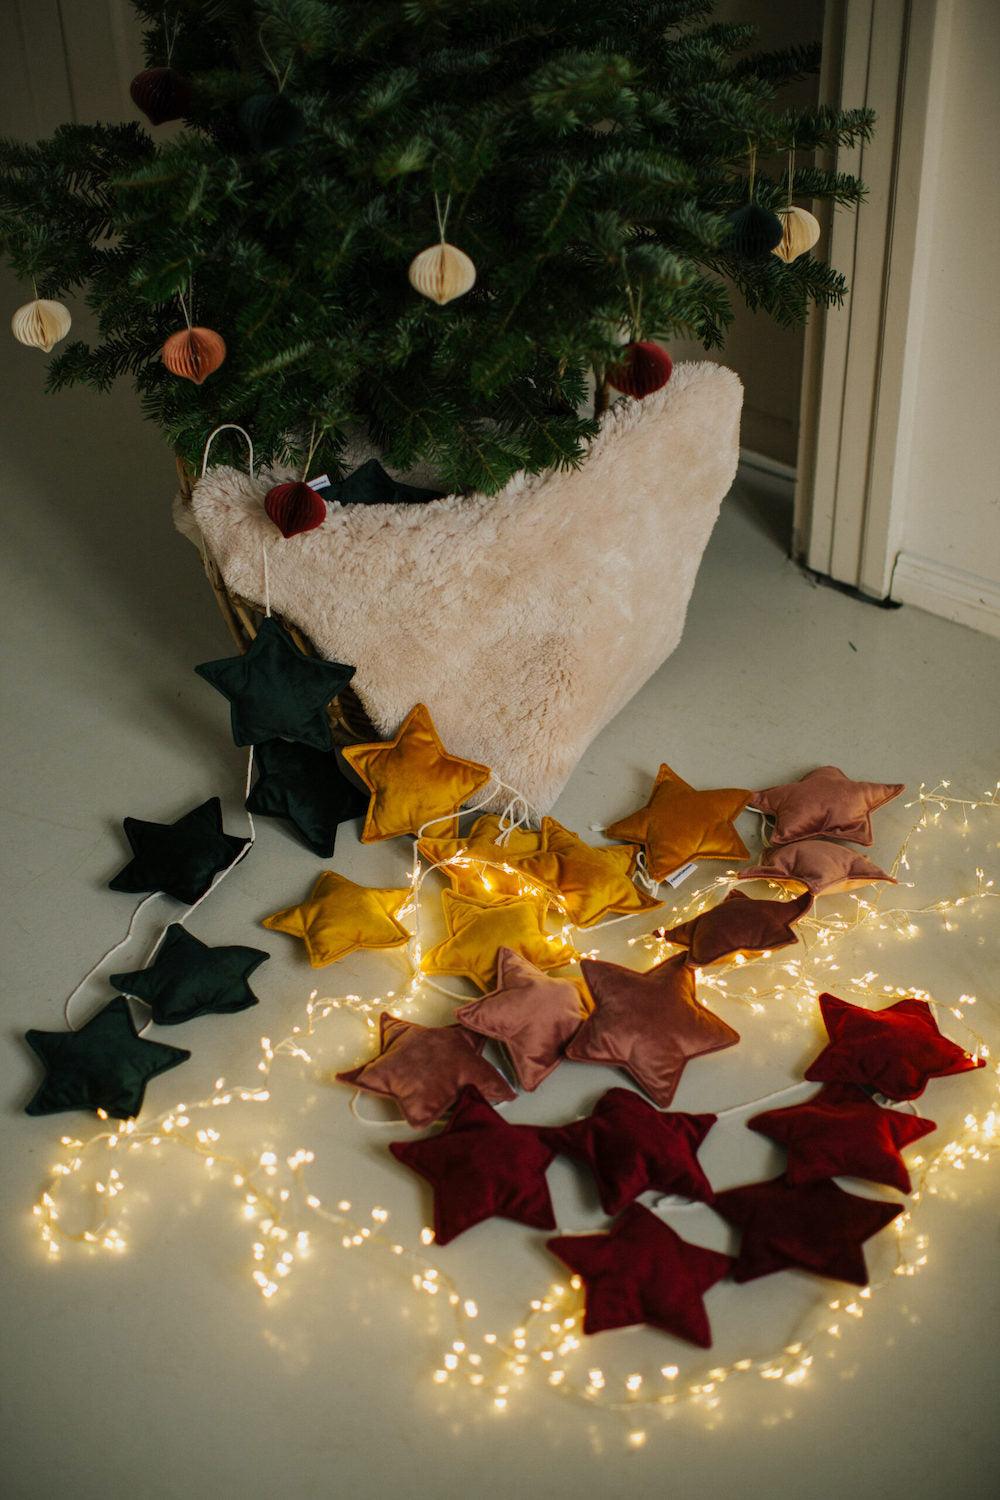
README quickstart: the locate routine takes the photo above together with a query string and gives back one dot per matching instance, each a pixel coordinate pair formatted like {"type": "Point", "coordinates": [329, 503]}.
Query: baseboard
{"type": "Point", "coordinates": [956, 595]}
{"type": "Point", "coordinates": [772, 467]}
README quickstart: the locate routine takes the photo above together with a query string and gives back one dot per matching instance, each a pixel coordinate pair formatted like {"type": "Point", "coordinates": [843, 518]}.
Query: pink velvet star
{"type": "Point", "coordinates": [630, 1147]}
{"type": "Point", "coordinates": [533, 1015]}
{"type": "Point", "coordinates": [841, 1132]}
{"type": "Point", "coordinates": [826, 802]}
{"type": "Point", "coordinates": [895, 1051]}
{"type": "Point", "coordinates": [739, 925]}
{"type": "Point", "coordinates": [819, 1228]}
{"type": "Point", "coordinates": [650, 1024]}
{"type": "Point", "coordinates": [643, 1272]}
{"type": "Point", "coordinates": [481, 1167]}
{"type": "Point", "coordinates": [423, 1069]}
{"type": "Point", "coordinates": [818, 865]}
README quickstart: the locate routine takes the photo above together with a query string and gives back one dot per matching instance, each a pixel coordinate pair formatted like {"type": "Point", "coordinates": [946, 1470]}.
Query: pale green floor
{"type": "Point", "coordinates": [160, 1374]}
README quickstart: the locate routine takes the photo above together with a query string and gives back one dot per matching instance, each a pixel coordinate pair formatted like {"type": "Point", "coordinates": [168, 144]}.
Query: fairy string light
{"type": "Point", "coordinates": [285, 1218]}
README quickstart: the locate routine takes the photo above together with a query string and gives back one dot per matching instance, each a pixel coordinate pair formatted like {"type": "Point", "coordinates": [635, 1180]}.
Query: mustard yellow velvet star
{"type": "Point", "coordinates": [413, 780]}
{"type": "Point", "coordinates": [591, 882]}
{"type": "Point", "coordinates": [679, 823]}
{"type": "Point", "coordinates": [340, 916]}
{"type": "Point", "coordinates": [478, 874]}
{"type": "Point", "coordinates": [477, 930]}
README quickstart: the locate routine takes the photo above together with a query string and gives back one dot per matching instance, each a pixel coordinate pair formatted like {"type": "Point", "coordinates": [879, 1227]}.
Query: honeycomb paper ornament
{"type": "Point", "coordinates": [162, 94]}
{"type": "Point", "coordinates": [41, 323]}
{"type": "Point", "coordinates": [270, 121]}
{"type": "Point", "coordinates": [645, 368]}
{"type": "Point", "coordinates": [799, 232]}
{"type": "Point", "coordinates": [194, 353]}
{"type": "Point", "coordinates": [753, 231]}
{"type": "Point", "coordinates": [294, 507]}
{"type": "Point", "coordinates": [442, 273]}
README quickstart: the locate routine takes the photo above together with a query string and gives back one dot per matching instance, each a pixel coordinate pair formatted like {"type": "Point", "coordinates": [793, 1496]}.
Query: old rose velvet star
{"type": "Point", "coordinates": [477, 930]}
{"type": "Point", "coordinates": [818, 865]}
{"type": "Point", "coordinates": [478, 874]}
{"type": "Point", "coordinates": [738, 926]}
{"type": "Point", "coordinates": [340, 916]}
{"type": "Point", "coordinates": [630, 1148]}
{"type": "Point", "coordinates": [481, 1167]}
{"type": "Point", "coordinates": [181, 859]}
{"type": "Point", "coordinates": [105, 1065]}
{"type": "Point", "coordinates": [188, 978]}
{"type": "Point", "coordinates": [533, 1015]}
{"type": "Point", "coordinates": [894, 1051]}
{"type": "Point", "coordinates": [643, 1272]}
{"type": "Point", "coordinates": [679, 824]}
{"type": "Point", "coordinates": [423, 1068]}
{"type": "Point", "coordinates": [826, 802]}
{"type": "Point", "coordinates": [413, 780]}
{"type": "Point", "coordinates": [591, 882]}
{"type": "Point", "coordinates": [819, 1228]}
{"type": "Point", "coordinates": [650, 1024]}
{"type": "Point", "coordinates": [306, 788]}
{"type": "Point", "coordinates": [276, 691]}
{"type": "Point", "coordinates": [841, 1132]}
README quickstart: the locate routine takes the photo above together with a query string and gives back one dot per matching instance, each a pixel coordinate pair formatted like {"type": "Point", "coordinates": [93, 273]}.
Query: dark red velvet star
{"type": "Point", "coordinates": [894, 1051]}
{"type": "Point", "coordinates": [631, 1147]}
{"type": "Point", "coordinates": [819, 1228]}
{"type": "Point", "coordinates": [480, 1166]}
{"type": "Point", "coordinates": [643, 1272]}
{"type": "Point", "coordinates": [841, 1132]}
{"type": "Point", "coordinates": [650, 1024]}
{"type": "Point", "coordinates": [739, 925]}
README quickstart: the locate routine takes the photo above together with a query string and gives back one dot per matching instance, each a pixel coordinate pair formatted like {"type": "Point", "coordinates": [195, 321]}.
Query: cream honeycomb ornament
{"type": "Point", "coordinates": [799, 232]}
{"type": "Point", "coordinates": [442, 273]}
{"type": "Point", "coordinates": [41, 324]}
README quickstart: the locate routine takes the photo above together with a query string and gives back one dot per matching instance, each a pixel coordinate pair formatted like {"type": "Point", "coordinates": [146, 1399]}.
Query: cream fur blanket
{"type": "Point", "coordinates": [524, 620]}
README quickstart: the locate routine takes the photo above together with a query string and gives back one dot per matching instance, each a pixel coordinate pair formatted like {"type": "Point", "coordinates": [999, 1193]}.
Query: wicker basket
{"type": "Point", "coordinates": [349, 724]}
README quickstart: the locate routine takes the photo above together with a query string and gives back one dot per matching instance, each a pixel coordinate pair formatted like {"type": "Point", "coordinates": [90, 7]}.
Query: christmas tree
{"type": "Point", "coordinates": [587, 157]}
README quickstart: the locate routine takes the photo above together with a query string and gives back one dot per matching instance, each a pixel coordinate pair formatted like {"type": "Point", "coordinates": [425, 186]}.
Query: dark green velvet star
{"type": "Point", "coordinates": [308, 789]}
{"type": "Point", "coordinates": [188, 978]}
{"type": "Point", "coordinates": [371, 485]}
{"type": "Point", "coordinates": [105, 1065]}
{"type": "Point", "coordinates": [179, 858]}
{"type": "Point", "coordinates": [276, 690]}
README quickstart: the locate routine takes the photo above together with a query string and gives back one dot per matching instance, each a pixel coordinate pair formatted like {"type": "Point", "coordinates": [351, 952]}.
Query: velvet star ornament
{"type": "Point", "coordinates": [679, 824]}
{"type": "Point", "coordinates": [591, 882]}
{"type": "Point", "coordinates": [841, 1132]}
{"type": "Point", "coordinates": [818, 1228]}
{"type": "Point", "coordinates": [424, 1069]}
{"type": "Point", "coordinates": [306, 788]}
{"type": "Point", "coordinates": [650, 1024]}
{"type": "Point", "coordinates": [894, 1051]}
{"type": "Point", "coordinates": [371, 485]}
{"type": "Point", "coordinates": [188, 978]}
{"type": "Point", "coordinates": [181, 859]}
{"type": "Point", "coordinates": [477, 930]}
{"type": "Point", "coordinates": [276, 691]}
{"type": "Point", "coordinates": [643, 1272]}
{"type": "Point", "coordinates": [340, 916]}
{"type": "Point", "coordinates": [481, 1167]}
{"type": "Point", "coordinates": [824, 802]}
{"type": "Point", "coordinates": [533, 1015]}
{"type": "Point", "coordinates": [817, 865]}
{"type": "Point", "coordinates": [413, 780]}
{"type": "Point", "coordinates": [738, 927]}
{"type": "Point", "coordinates": [632, 1148]}
{"type": "Point", "coordinates": [105, 1065]}
{"type": "Point", "coordinates": [480, 872]}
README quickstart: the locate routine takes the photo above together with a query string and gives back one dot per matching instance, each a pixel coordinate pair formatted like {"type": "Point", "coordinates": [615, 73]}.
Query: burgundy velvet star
{"type": "Point", "coordinates": [819, 1228]}
{"type": "Point", "coordinates": [825, 802]}
{"type": "Point", "coordinates": [424, 1067]}
{"type": "Point", "coordinates": [894, 1051]}
{"type": "Point", "coordinates": [643, 1272]}
{"type": "Point", "coordinates": [650, 1024]}
{"type": "Point", "coordinates": [841, 1132]}
{"type": "Point", "coordinates": [631, 1147]}
{"type": "Point", "coordinates": [481, 1167]}
{"type": "Point", "coordinates": [533, 1015]}
{"type": "Point", "coordinates": [817, 864]}
{"type": "Point", "coordinates": [738, 925]}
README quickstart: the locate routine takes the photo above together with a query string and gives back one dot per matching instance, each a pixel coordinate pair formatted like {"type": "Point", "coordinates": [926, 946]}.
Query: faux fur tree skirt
{"type": "Point", "coordinates": [524, 620]}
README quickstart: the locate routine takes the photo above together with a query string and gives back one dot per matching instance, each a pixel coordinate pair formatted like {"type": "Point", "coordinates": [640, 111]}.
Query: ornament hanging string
{"type": "Point", "coordinates": [752, 174]}
{"type": "Point", "coordinates": [442, 218]}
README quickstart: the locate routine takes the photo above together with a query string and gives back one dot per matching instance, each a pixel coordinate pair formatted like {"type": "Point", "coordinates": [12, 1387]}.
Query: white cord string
{"type": "Point", "coordinates": [225, 427]}
{"type": "Point", "coordinates": [267, 580]}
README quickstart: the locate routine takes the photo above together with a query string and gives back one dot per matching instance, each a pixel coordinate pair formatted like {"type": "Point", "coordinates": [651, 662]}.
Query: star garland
{"type": "Point", "coordinates": [550, 1334]}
